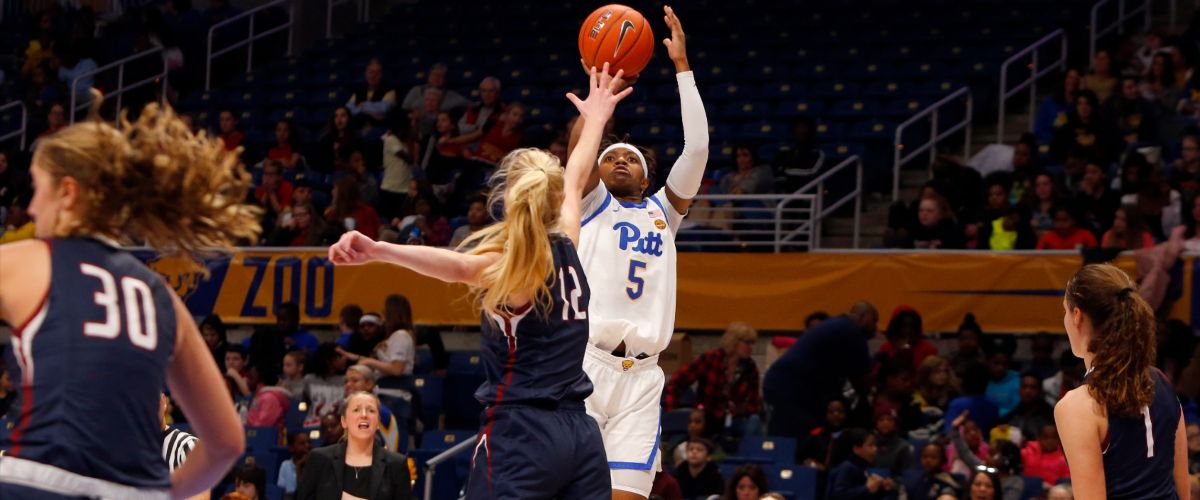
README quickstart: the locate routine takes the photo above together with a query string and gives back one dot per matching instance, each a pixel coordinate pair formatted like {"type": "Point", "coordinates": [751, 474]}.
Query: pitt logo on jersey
{"type": "Point", "coordinates": [651, 244]}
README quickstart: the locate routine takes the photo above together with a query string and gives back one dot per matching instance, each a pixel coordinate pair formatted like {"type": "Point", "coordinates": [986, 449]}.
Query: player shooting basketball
{"type": "Point", "coordinates": [627, 246]}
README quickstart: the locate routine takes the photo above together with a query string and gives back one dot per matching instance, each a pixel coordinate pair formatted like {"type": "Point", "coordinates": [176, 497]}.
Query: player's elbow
{"type": "Point", "coordinates": [227, 446]}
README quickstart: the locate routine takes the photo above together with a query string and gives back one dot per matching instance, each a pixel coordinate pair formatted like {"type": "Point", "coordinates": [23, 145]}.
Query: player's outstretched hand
{"type": "Point", "coordinates": [352, 248]}
{"type": "Point", "coordinates": [677, 44]}
{"type": "Point", "coordinates": [602, 98]}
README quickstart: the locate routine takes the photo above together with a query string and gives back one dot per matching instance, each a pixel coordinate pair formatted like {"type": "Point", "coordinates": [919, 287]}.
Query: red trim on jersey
{"type": "Point", "coordinates": [26, 412]}
{"type": "Point", "coordinates": [511, 335]}
{"type": "Point", "coordinates": [45, 297]}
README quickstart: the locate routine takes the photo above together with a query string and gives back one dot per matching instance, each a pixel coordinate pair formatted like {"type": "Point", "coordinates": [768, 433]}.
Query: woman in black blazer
{"type": "Point", "coordinates": [357, 467]}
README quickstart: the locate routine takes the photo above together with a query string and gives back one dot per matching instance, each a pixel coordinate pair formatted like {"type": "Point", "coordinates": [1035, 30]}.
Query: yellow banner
{"type": "Point", "coordinates": [1007, 293]}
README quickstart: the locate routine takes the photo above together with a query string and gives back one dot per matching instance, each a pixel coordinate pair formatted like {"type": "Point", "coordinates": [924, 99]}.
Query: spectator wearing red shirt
{"type": "Point", "coordinates": [1127, 233]}
{"type": "Point", "coordinates": [230, 135]}
{"type": "Point", "coordinates": [275, 193]}
{"type": "Point", "coordinates": [486, 112]}
{"type": "Point", "coordinates": [283, 151]}
{"type": "Point", "coordinates": [349, 212]}
{"type": "Point", "coordinates": [502, 138]}
{"type": "Point", "coordinates": [1044, 457]}
{"type": "Point", "coordinates": [906, 339]}
{"type": "Point", "coordinates": [1065, 236]}
{"type": "Point", "coordinates": [726, 380]}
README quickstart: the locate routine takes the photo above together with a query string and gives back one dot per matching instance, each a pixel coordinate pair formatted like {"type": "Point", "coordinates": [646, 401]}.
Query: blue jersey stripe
{"type": "Point", "coordinates": [603, 205]}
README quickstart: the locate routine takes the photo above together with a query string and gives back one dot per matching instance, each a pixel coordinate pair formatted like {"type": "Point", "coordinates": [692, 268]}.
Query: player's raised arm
{"type": "Point", "coordinates": [594, 112]}
{"type": "Point", "coordinates": [683, 183]}
{"type": "Point", "coordinates": [447, 265]}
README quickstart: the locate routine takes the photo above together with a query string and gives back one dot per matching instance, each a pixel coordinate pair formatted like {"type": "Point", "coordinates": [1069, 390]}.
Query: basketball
{"type": "Point", "coordinates": [618, 35]}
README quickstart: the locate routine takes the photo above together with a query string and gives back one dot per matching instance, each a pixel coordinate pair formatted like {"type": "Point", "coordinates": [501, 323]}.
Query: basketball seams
{"type": "Point", "coordinates": [633, 44]}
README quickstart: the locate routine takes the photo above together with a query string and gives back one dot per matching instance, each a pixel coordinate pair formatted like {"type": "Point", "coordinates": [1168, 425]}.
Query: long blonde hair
{"type": "Point", "coordinates": [528, 184]}
{"type": "Point", "coordinates": [152, 180]}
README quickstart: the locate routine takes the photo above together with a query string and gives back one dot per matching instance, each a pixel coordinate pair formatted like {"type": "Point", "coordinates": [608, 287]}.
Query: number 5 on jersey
{"type": "Point", "coordinates": [635, 280]}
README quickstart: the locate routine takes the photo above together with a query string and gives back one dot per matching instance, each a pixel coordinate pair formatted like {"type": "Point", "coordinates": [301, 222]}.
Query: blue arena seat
{"type": "Point", "coordinates": [807, 107]}
{"type": "Point", "coordinates": [796, 482]}
{"type": "Point", "coordinates": [431, 391]}
{"type": "Point", "coordinates": [461, 408]}
{"type": "Point", "coordinates": [465, 362]}
{"type": "Point", "coordinates": [778, 450]}
{"type": "Point", "coordinates": [652, 133]}
{"type": "Point", "coordinates": [674, 423]}
{"type": "Point", "coordinates": [1033, 488]}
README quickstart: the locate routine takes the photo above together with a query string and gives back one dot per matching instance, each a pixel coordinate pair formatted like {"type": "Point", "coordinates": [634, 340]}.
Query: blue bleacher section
{"type": "Point", "coordinates": [857, 67]}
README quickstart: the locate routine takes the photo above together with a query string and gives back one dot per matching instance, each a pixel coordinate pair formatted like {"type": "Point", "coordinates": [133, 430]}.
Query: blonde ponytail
{"type": "Point", "coordinates": [529, 186]}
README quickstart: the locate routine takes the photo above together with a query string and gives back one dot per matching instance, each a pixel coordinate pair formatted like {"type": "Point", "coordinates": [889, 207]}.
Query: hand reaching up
{"type": "Point", "coordinates": [601, 99]}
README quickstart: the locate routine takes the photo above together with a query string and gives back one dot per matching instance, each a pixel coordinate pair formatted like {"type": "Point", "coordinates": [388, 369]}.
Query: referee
{"type": "Point", "coordinates": [176, 443]}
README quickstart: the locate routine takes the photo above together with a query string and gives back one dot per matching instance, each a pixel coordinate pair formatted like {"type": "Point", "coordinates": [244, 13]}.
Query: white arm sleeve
{"type": "Point", "coordinates": [688, 172]}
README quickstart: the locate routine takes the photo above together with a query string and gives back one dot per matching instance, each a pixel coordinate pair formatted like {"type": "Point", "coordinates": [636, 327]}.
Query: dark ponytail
{"type": "Point", "coordinates": [1123, 339]}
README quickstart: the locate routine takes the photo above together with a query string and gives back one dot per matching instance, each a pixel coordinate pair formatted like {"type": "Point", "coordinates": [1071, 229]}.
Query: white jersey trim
{"type": "Point", "coordinates": [52, 479]}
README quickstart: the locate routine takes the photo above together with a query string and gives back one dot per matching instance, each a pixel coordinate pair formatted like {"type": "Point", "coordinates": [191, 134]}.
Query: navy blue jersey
{"type": "Point", "coordinates": [534, 355]}
{"type": "Point", "coordinates": [92, 363]}
{"type": "Point", "coordinates": [1139, 462]}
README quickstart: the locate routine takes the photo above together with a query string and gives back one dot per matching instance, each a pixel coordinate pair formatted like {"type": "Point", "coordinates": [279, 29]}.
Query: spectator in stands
{"type": "Point", "coordinates": [985, 486]}
{"type": "Point", "coordinates": [1041, 202]}
{"type": "Point", "coordinates": [361, 378]}
{"type": "Point", "coordinates": [483, 115]}
{"type": "Point", "coordinates": [1127, 232]}
{"type": "Point", "coordinates": [746, 177]}
{"type": "Point", "coordinates": [338, 137]}
{"type": "Point", "coordinates": [1137, 117]}
{"type": "Point", "coordinates": [372, 100]}
{"type": "Point", "coordinates": [1043, 457]}
{"type": "Point", "coordinates": [696, 429]}
{"type": "Point", "coordinates": [727, 381]}
{"type": "Point", "coordinates": [1185, 174]}
{"type": "Point", "coordinates": [56, 119]}
{"type": "Point", "coordinates": [747, 483]}
{"type": "Point", "coordinates": [76, 70]}
{"type": "Point", "coordinates": [477, 218]}
{"type": "Point", "coordinates": [326, 383]}
{"type": "Point", "coordinates": [364, 178]}
{"type": "Point", "coordinates": [18, 225]}
{"type": "Point", "coordinates": [14, 181]}
{"type": "Point", "coordinates": [227, 129]}
{"type": "Point", "coordinates": [305, 229]}
{"type": "Point", "coordinates": [293, 374]}
{"type": "Point", "coordinates": [1155, 201]}
{"type": "Point", "coordinates": [906, 340]}
{"type": "Point", "coordinates": [436, 79]}
{"type": "Point", "coordinates": [503, 138]}
{"type": "Point", "coordinates": [813, 320]}
{"type": "Point", "coordinates": [936, 228]}
{"type": "Point", "coordinates": [1032, 412]}
{"type": "Point", "coordinates": [1004, 384]}
{"type": "Point", "coordinates": [1096, 201]}
{"type": "Point", "coordinates": [396, 355]}
{"type": "Point", "coordinates": [894, 395]}
{"type": "Point", "coordinates": [665, 487]}
{"type": "Point", "coordinates": [374, 472]}
{"type": "Point", "coordinates": [824, 358]}
{"type": "Point", "coordinates": [236, 371]}
{"type": "Point", "coordinates": [425, 117]}
{"type": "Point", "coordinates": [1053, 112]}
{"type": "Point", "coordinates": [348, 319]}
{"type": "Point", "coordinates": [974, 399]}
{"type": "Point", "coordinates": [1160, 86]}
{"type": "Point", "coordinates": [934, 481]}
{"type": "Point", "coordinates": [966, 444]}
{"type": "Point", "coordinates": [894, 451]}
{"type": "Point", "coordinates": [400, 148]}
{"type": "Point", "coordinates": [997, 201]}
{"type": "Point", "coordinates": [368, 335]}
{"type": "Point", "coordinates": [275, 193]}
{"type": "Point", "coordinates": [444, 151]}
{"type": "Point", "coordinates": [250, 480]}
{"type": "Point", "coordinates": [427, 225]}
{"type": "Point", "coordinates": [1088, 132]}
{"type": "Point", "coordinates": [43, 91]}
{"type": "Point", "coordinates": [1025, 167]}
{"type": "Point", "coordinates": [270, 403]}
{"type": "Point", "coordinates": [1068, 377]}
{"type": "Point", "coordinates": [1042, 363]}
{"type": "Point", "coordinates": [302, 194]}
{"type": "Point", "coordinates": [846, 481]}
{"type": "Point", "coordinates": [284, 151]}
{"type": "Point", "coordinates": [212, 329]}
{"type": "Point", "coordinates": [1004, 458]}
{"type": "Point", "coordinates": [817, 448]}
{"type": "Point", "coordinates": [1101, 80]}
{"type": "Point", "coordinates": [348, 211]}
{"type": "Point", "coordinates": [800, 152]}
{"type": "Point", "coordinates": [299, 445]}
{"type": "Point", "coordinates": [1010, 232]}
{"type": "Point", "coordinates": [331, 431]}
{"type": "Point", "coordinates": [698, 476]}
{"type": "Point", "coordinates": [1066, 235]}
{"type": "Point", "coordinates": [40, 48]}
{"type": "Point", "coordinates": [935, 388]}
{"type": "Point", "coordinates": [970, 336]}
{"type": "Point", "coordinates": [268, 345]}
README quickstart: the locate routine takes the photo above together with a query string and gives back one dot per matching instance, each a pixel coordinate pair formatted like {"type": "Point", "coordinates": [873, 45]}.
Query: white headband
{"type": "Point", "coordinates": [630, 147]}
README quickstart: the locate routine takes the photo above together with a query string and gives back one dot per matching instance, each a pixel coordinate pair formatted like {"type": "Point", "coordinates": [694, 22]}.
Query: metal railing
{"type": "Point", "coordinates": [855, 196]}
{"type": "Point", "coordinates": [1036, 72]}
{"type": "Point", "coordinates": [24, 123]}
{"type": "Point", "coordinates": [1095, 32]}
{"type": "Point", "coordinates": [900, 157]}
{"type": "Point", "coordinates": [432, 464]}
{"type": "Point", "coordinates": [363, 7]}
{"type": "Point", "coordinates": [752, 221]}
{"type": "Point", "coordinates": [121, 87]}
{"type": "Point", "coordinates": [251, 36]}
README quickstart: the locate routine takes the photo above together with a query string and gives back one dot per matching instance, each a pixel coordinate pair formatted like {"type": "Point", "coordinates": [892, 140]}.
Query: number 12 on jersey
{"type": "Point", "coordinates": [635, 280]}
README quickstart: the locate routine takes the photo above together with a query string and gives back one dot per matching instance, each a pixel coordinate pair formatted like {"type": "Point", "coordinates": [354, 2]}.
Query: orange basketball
{"type": "Point", "coordinates": [618, 35]}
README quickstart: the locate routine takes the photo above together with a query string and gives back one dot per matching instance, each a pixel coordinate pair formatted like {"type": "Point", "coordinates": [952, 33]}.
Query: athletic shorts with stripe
{"type": "Point", "coordinates": [626, 404]}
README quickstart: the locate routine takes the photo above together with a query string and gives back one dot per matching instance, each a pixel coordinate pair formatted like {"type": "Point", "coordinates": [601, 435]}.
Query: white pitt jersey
{"type": "Point", "coordinates": [628, 254]}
